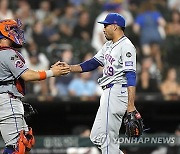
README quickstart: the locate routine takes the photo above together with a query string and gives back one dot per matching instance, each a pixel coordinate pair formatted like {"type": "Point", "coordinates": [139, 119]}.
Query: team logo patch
{"type": "Point", "coordinates": [128, 54]}
{"type": "Point", "coordinates": [19, 64]}
{"type": "Point", "coordinates": [128, 63]}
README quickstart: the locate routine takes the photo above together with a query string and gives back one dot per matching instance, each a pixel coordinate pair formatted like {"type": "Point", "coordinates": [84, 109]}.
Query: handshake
{"type": "Point", "coordinates": [60, 68]}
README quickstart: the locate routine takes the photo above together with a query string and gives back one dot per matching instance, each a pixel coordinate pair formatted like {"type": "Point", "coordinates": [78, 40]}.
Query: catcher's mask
{"type": "Point", "coordinates": [11, 29]}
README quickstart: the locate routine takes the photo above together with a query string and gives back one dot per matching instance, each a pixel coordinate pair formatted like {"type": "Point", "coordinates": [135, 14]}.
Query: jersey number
{"type": "Point", "coordinates": [109, 71]}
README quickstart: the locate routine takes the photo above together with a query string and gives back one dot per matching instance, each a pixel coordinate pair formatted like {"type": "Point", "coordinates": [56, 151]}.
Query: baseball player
{"type": "Point", "coordinates": [118, 57]}
{"type": "Point", "coordinates": [17, 136]}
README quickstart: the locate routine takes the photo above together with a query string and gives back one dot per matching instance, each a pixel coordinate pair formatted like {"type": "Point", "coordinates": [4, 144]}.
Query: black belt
{"type": "Point", "coordinates": [4, 83]}
{"type": "Point", "coordinates": [110, 85]}
{"type": "Point", "coordinates": [12, 147]}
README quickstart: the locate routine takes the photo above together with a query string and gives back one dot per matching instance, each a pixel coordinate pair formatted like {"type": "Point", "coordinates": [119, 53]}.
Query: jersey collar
{"type": "Point", "coordinates": [117, 42]}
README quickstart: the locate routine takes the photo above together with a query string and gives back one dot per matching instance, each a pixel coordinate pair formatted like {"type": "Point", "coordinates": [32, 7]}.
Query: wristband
{"type": "Point", "coordinates": [45, 74]}
{"type": "Point", "coordinates": [49, 73]}
{"type": "Point", "coordinates": [42, 75]}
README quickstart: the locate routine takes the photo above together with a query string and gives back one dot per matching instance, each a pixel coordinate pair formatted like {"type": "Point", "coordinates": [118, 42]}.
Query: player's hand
{"type": "Point", "coordinates": [64, 64]}
{"type": "Point", "coordinates": [60, 63]}
{"type": "Point", "coordinates": [60, 68]}
{"type": "Point", "coordinates": [133, 124]}
{"type": "Point", "coordinates": [56, 64]}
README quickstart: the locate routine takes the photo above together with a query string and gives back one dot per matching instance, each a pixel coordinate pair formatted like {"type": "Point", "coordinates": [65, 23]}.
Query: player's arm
{"type": "Point", "coordinates": [76, 68]}
{"type": "Point", "coordinates": [86, 66]}
{"type": "Point", "coordinates": [131, 83]}
{"type": "Point", "coordinates": [134, 126]}
{"type": "Point", "coordinates": [56, 70]}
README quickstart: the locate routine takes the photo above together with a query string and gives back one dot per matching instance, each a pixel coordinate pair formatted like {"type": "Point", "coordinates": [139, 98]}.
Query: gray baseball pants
{"type": "Point", "coordinates": [11, 118]}
{"type": "Point", "coordinates": [113, 105]}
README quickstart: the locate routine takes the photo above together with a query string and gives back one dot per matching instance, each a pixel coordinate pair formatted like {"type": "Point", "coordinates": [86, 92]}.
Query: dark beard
{"type": "Point", "coordinates": [107, 38]}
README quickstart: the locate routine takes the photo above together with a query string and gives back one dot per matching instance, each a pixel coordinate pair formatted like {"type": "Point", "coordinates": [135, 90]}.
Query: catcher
{"type": "Point", "coordinates": [17, 136]}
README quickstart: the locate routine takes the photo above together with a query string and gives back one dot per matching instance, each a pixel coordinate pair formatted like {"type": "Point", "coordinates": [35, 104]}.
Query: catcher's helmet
{"type": "Point", "coordinates": [11, 29]}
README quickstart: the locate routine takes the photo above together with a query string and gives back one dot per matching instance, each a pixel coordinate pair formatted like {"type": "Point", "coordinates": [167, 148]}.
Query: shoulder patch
{"type": "Point", "coordinates": [128, 54]}
{"type": "Point", "coordinates": [19, 63]}
{"type": "Point", "coordinates": [128, 63]}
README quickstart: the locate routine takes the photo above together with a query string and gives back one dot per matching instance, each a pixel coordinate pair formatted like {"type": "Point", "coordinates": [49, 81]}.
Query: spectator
{"type": "Point", "coordinates": [83, 87]}
{"type": "Point", "coordinates": [38, 36]}
{"type": "Point", "coordinates": [37, 61]}
{"type": "Point", "coordinates": [83, 29]}
{"type": "Point", "coordinates": [43, 11]}
{"type": "Point", "coordinates": [134, 6]}
{"type": "Point", "coordinates": [79, 3]}
{"type": "Point", "coordinates": [172, 54]}
{"type": "Point", "coordinates": [59, 86]}
{"type": "Point", "coordinates": [170, 87]}
{"type": "Point", "coordinates": [172, 45]}
{"type": "Point", "coordinates": [50, 30]}
{"type": "Point", "coordinates": [25, 13]}
{"type": "Point", "coordinates": [149, 65]}
{"type": "Point", "coordinates": [174, 4]}
{"type": "Point", "coordinates": [156, 55]}
{"type": "Point", "coordinates": [95, 74]}
{"type": "Point", "coordinates": [148, 24]}
{"type": "Point", "coordinates": [127, 15]}
{"type": "Point", "coordinates": [173, 27]}
{"type": "Point", "coordinates": [67, 22]}
{"type": "Point", "coordinates": [146, 84]}
{"type": "Point", "coordinates": [161, 6]}
{"type": "Point", "coordinates": [59, 4]}
{"type": "Point", "coordinates": [5, 13]}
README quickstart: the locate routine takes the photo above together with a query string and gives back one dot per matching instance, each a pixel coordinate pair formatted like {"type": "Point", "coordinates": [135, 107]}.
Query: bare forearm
{"type": "Point", "coordinates": [30, 75]}
{"type": "Point", "coordinates": [76, 68]}
{"type": "Point", "coordinates": [131, 98]}
{"type": "Point", "coordinates": [58, 69]}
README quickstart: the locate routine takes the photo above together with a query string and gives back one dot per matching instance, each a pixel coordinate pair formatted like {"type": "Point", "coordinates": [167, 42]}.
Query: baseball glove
{"type": "Point", "coordinates": [28, 110]}
{"type": "Point", "coordinates": [133, 124]}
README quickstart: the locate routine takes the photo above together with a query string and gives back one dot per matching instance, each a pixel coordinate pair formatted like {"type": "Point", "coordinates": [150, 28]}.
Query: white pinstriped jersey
{"type": "Point", "coordinates": [117, 58]}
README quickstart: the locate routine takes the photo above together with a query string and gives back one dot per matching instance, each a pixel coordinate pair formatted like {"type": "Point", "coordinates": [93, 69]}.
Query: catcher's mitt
{"type": "Point", "coordinates": [28, 110]}
{"type": "Point", "coordinates": [133, 124]}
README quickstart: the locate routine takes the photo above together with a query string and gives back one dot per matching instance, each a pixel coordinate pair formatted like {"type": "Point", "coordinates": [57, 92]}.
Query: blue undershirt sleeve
{"type": "Point", "coordinates": [131, 78]}
{"type": "Point", "coordinates": [89, 65]}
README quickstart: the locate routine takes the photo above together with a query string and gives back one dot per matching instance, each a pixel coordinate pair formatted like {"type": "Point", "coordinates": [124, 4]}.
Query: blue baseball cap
{"type": "Point", "coordinates": [114, 18]}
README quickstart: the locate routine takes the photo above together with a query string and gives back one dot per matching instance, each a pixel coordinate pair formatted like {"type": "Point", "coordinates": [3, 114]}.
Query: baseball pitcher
{"type": "Point", "coordinates": [118, 57]}
{"type": "Point", "coordinates": [17, 136]}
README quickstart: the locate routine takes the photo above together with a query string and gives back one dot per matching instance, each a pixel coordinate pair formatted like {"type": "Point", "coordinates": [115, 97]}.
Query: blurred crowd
{"type": "Point", "coordinates": [67, 30]}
